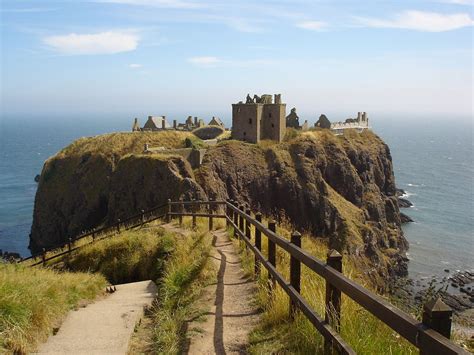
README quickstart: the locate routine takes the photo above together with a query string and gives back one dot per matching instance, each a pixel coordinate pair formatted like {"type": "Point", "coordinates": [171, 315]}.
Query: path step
{"type": "Point", "coordinates": [103, 327]}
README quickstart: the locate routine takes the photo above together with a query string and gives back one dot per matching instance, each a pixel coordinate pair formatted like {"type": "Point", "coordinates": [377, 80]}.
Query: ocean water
{"type": "Point", "coordinates": [433, 163]}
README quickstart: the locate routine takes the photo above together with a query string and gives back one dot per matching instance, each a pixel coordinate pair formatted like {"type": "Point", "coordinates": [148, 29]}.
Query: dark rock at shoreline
{"type": "Point", "coordinates": [399, 192]}
{"type": "Point", "coordinates": [404, 203]}
{"type": "Point", "coordinates": [37, 178]}
{"type": "Point", "coordinates": [405, 219]}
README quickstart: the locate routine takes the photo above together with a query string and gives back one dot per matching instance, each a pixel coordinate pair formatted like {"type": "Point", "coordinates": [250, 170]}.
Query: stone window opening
{"type": "Point", "coordinates": [250, 121]}
{"type": "Point", "coordinates": [273, 125]}
{"type": "Point", "coordinates": [270, 115]}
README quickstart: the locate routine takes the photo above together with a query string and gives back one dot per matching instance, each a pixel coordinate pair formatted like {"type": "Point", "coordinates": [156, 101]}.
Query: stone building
{"type": "Point", "coordinates": [259, 118]}
{"type": "Point", "coordinates": [293, 121]}
{"type": "Point", "coordinates": [359, 124]}
{"type": "Point", "coordinates": [216, 121]}
{"type": "Point", "coordinates": [136, 126]}
{"type": "Point", "coordinates": [155, 123]}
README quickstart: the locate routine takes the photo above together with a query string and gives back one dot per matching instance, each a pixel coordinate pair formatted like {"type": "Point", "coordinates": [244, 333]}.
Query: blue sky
{"type": "Point", "coordinates": [139, 57]}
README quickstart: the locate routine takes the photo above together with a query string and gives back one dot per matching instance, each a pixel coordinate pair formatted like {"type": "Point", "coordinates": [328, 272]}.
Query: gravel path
{"type": "Point", "coordinates": [103, 327]}
{"type": "Point", "coordinates": [232, 313]}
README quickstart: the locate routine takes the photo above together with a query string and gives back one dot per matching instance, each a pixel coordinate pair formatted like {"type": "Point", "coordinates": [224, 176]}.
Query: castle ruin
{"type": "Point", "coordinates": [259, 118]}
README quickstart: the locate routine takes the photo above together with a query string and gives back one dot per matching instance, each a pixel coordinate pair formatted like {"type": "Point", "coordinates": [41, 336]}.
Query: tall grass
{"type": "Point", "coordinates": [277, 333]}
{"type": "Point", "coordinates": [131, 256]}
{"type": "Point", "coordinates": [186, 273]}
{"type": "Point", "coordinates": [34, 300]}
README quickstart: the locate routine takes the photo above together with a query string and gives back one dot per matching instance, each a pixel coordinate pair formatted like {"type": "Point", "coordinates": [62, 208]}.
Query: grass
{"type": "Point", "coordinates": [277, 333]}
{"type": "Point", "coordinates": [33, 301]}
{"type": "Point", "coordinates": [119, 144]}
{"type": "Point", "coordinates": [186, 273]}
{"type": "Point", "coordinates": [131, 256]}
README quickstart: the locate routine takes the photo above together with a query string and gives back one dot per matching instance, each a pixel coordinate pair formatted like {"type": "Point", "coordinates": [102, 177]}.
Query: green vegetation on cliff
{"type": "Point", "coordinates": [341, 188]}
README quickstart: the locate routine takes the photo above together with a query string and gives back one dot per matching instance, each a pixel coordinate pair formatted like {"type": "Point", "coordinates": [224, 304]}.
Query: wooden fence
{"type": "Point", "coordinates": [431, 336]}
{"type": "Point", "coordinates": [94, 235]}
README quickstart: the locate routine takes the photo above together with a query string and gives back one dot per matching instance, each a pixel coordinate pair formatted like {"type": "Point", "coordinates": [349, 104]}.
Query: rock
{"type": "Point", "coordinates": [405, 219]}
{"type": "Point", "coordinates": [37, 178]}
{"type": "Point", "coordinates": [404, 203]}
{"type": "Point", "coordinates": [340, 188]}
{"type": "Point", "coordinates": [455, 285]}
{"type": "Point", "coordinates": [399, 192]}
{"type": "Point", "coordinates": [446, 270]}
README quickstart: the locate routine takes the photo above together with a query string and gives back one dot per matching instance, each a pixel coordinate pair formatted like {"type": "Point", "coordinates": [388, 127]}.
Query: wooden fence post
{"type": "Point", "coordinates": [118, 225]}
{"type": "Point", "coordinates": [236, 220]}
{"type": "Point", "coordinates": [168, 216]}
{"type": "Point", "coordinates": [248, 231]}
{"type": "Point", "coordinates": [211, 222]}
{"type": "Point", "coordinates": [143, 216]}
{"type": "Point", "coordinates": [258, 243]}
{"type": "Point", "coordinates": [272, 253]}
{"type": "Point", "coordinates": [43, 257]}
{"type": "Point", "coordinates": [241, 219]}
{"type": "Point", "coordinates": [437, 315]}
{"type": "Point", "coordinates": [230, 212]}
{"type": "Point", "coordinates": [333, 299]}
{"type": "Point", "coordinates": [194, 213]}
{"type": "Point", "coordinates": [181, 210]}
{"type": "Point", "coordinates": [69, 247]}
{"type": "Point", "coordinates": [295, 271]}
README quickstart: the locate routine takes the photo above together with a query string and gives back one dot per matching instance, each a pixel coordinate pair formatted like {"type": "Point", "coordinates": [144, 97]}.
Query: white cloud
{"type": "Point", "coordinates": [135, 66]}
{"type": "Point", "coordinates": [312, 25]}
{"type": "Point", "coordinates": [98, 43]}
{"type": "Point", "coordinates": [172, 4]}
{"type": "Point", "coordinates": [422, 21]}
{"type": "Point", "coordinates": [204, 61]}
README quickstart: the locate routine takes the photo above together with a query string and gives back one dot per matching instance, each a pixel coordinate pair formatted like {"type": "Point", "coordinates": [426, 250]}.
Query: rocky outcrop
{"type": "Point", "coordinates": [340, 188]}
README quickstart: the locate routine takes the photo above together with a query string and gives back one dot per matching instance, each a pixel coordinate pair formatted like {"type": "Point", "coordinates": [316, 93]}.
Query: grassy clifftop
{"type": "Point", "coordinates": [338, 187]}
{"type": "Point", "coordinates": [123, 143]}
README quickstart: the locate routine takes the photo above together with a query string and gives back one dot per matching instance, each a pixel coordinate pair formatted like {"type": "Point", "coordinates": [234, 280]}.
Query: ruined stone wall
{"type": "Point", "coordinates": [273, 125]}
{"type": "Point", "coordinates": [246, 122]}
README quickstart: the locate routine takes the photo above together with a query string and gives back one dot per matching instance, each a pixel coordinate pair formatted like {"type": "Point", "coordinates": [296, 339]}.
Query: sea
{"type": "Point", "coordinates": [433, 164]}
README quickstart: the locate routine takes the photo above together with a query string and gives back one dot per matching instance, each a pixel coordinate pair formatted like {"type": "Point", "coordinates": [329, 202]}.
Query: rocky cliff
{"type": "Point", "coordinates": [340, 188]}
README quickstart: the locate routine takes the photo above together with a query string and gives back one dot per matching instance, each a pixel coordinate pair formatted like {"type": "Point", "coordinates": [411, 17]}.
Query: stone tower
{"type": "Point", "coordinates": [259, 118]}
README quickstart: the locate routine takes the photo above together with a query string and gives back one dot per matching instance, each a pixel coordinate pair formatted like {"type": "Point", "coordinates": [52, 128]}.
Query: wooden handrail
{"type": "Point", "coordinates": [427, 339]}
{"type": "Point", "coordinates": [415, 332]}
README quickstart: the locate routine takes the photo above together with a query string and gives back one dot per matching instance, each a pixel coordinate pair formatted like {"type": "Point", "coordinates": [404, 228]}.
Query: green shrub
{"type": "Point", "coordinates": [193, 142]}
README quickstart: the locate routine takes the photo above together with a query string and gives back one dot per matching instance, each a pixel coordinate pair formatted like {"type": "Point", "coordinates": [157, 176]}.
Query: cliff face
{"type": "Point", "coordinates": [340, 188]}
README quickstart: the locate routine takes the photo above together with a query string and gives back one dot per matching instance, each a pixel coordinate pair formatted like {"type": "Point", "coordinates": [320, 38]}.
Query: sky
{"type": "Point", "coordinates": [177, 57]}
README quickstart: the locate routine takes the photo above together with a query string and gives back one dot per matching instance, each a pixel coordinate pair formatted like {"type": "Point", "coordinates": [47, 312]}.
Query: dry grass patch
{"type": "Point", "coordinates": [34, 300]}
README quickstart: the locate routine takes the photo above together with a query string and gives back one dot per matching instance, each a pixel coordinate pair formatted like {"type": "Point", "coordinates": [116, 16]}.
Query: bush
{"type": "Point", "coordinates": [193, 142]}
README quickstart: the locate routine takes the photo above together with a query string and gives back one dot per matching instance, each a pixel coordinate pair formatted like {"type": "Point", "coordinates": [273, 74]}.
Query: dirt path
{"type": "Point", "coordinates": [103, 327]}
{"type": "Point", "coordinates": [232, 313]}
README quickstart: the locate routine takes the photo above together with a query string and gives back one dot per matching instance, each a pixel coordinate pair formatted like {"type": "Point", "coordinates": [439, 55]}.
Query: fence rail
{"type": "Point", "coordinates": [431, 336]}
{"type": "Point", "coordinates": [62, 249]}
